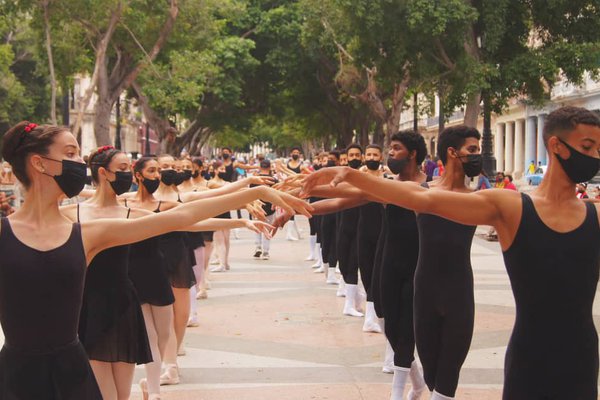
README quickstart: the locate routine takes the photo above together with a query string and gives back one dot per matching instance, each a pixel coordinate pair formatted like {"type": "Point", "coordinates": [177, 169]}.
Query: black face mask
{"type": "Point", "coordinates": [330, 163]}
{"type": "Point", "coordinates": [372, 165]}
{"type": "Point", "coordinates": [195, 174]}
{"type": "Point", "coordinates": [72, 179]}
{"type": "Point", "coordinates": [212, 174]}
{"type": "Point", "coordinates": [226, 156]}
{"type": "Point", "coordinates": [151, 185]}
{"type": "Point", "coordinates": [187, 174]}
{"type": "Point", "coordinates": [295, 157]}
{"type": "Point", "coordinates": [222, 175]}
{"type": "Point", "coordinates": [473, 165]}
{"type": "Point", "coordinates": [168, 176]}
{"type": "Point", "coordinates": [122, 182]}
{"type": "Point", "coordinates": [317, 167]}
{"type": "Point", "coordinates": [355, 163]}
{"type": "Point", "coordinates": [180, 178]}
{"type": "Point", "coordinates": [396, 166]}
{"type": "Point", "coordinates": [579, 167]}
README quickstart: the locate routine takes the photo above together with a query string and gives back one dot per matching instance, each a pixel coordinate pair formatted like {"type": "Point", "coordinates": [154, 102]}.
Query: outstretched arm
{"type": "Point", "coordinates": [104, 233]}
{"type": "Point", "coordinates": [329, 206]}
{"type": "Point", "coordinates": [226, 189]}
{"type": "Point", "coordinates": [478, 208]}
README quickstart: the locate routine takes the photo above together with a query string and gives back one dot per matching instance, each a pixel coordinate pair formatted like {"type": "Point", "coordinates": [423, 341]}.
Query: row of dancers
{"type": "Point", "coordinates": [411, 236]}
{"type": "Point", "coordinates": [112, 275]}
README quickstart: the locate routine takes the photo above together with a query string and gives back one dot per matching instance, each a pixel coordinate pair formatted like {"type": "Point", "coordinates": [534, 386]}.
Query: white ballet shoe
{"type": "Point", "coordinates": [350, 303]}
{"type": "Point", "coordinates": [201, 295]}
{"type": "Point", "coordinates": [371, 323]}
{"type": "Point", "coordinates": [331, 278]}
{"type": "Point", "coordinates": [317, 265]}
{"type": "Point", "coordinates": [310, 258]}
{"type": "Point", "coordinates": [171, 375]}
{"type": "Point", "coordinates": [214, 261]}
{"type": "Point", "coordinates": [218, 268]}
{"type": "Point", "coordinates": [181, 351]}
{"type": "Point", "coordinates": [361, 298]}
{"type": "Point", "coordinates": [322, 268]}
{"type": "Point", "coordinates": [193, 323]}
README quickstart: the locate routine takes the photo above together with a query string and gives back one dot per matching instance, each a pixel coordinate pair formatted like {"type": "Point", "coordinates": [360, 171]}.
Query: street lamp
{"type": "Point", "coordinates": [489, 161]}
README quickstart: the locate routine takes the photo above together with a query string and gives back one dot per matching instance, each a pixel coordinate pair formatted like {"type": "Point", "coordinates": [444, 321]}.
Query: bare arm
{"type": "Point", "coordinates": [104, 233]}
{"type": "Point", "coordinates": [478, 208]}
{"type": "Point", "coordinates": [329, 206]}
{"type": "Point", "coordinates": [226, 189]}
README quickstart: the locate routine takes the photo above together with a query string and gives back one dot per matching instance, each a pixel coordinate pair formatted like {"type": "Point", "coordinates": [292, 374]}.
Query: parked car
{"type": "Point", "coordinates": [536, 179]}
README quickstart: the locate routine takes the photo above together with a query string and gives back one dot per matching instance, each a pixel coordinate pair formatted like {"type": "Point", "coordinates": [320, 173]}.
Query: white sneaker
{"type": "Point", "coordinates": [171, 375]}
{"type": "Point", "coordinates": [218, 268]}
{"type": "Point", "coordinates": [265, 256]}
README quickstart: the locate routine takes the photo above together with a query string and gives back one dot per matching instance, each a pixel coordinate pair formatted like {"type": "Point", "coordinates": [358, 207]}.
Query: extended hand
{"type": "Point", "coordinates": [331, 175]}
{"type": "Point", "coordinates": [260, 180]}
{"type": "Point", "coordinates": [286, 202]}
{"type": "Point", "coordinates": [260, 227]}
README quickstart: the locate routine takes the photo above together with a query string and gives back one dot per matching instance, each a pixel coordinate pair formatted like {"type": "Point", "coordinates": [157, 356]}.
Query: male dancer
{"type": "Point", "coordinates": [547, 239]}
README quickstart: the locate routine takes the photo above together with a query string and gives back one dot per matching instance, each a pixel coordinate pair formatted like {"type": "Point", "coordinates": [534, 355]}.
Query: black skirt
{"type": "Point", "coordinates": [112, 327]}
{"type": "Point", "coordinates": [61, 374]}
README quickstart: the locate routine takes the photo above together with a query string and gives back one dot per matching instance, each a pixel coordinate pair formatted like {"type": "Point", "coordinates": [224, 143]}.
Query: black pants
{"type": "Point", "coordinates": [329, 240]}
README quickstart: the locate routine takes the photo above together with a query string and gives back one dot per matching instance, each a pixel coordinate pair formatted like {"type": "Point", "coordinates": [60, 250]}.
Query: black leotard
{"type": "Point", "coordinates": [42, 358]}
{"type": "Point", "coordinates": [148, 272]}
{"type": "Point", "coordinates": [347, 244]}
{"type": "Point", "coordinates": [443, 300]}
{"type": "Point", "coordinates": [369, 227]}
{"type": "Point", "coordinates": [553, 349]}
{"type": "Point", "coordinates": [111, 324]}
{"type": "Point", "coordinates": [178, 258]}
{"type": "Point", "coordinates": [229, 172]}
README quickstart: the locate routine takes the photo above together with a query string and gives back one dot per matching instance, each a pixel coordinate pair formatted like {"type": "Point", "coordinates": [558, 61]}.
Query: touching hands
{"type": "Point", "coordinates": [326, 176]}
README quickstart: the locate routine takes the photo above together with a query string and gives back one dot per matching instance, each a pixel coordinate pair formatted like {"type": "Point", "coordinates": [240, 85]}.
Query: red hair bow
{"type": "Point", "coordinates": [104, 148]}
{"type": "Point", "coordinates": [31, 126]}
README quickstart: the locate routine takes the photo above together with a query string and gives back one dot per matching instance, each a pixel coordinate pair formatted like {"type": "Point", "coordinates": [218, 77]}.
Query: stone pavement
{"type": "Point", "coordinates": [273, 329]}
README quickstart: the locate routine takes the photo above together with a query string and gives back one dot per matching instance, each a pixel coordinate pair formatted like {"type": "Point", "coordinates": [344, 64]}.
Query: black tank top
{"type": "Point", "coordinates": [295, 169]}
{"type": "Point", "coordinates": [554, 277]}
{"type": "Point", "coordinates": [229, 173]}
{"type": "Point", "coordinates": [40, 291]}
{"type": "Point", "coordinates": [445, 250]}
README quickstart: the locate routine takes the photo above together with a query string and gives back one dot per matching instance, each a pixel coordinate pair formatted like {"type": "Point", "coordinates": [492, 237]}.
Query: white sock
{"type": "Point", "coordinates": [388, 360]}
{"type": "Point", "coordinates": [436, 396]}
{"type": "Point", "coordinates": [341, 292]}
{"type": "Point", "coordinates": [398, 383]}
{"type": "Point", "coordinates": [312, 242]}
{"type": "Point", "coordinates": [193, 303]}
{"type": "Point", "coordinates": [371, 323]}
{"type": "Point", "coordinates": [418, 383]}
{"type": "Point", "coordinates": [350, 303]}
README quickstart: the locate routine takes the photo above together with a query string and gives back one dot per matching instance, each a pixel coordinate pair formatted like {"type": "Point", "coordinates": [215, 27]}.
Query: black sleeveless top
{"type": "Point", "coordinates": [31, 278]}
{"type": "Point", "coordinates": [229, 173]}
{"type": "Point", "coordinates": [295, 169]}
{"type": "Point", "coordinates": [553, 277]}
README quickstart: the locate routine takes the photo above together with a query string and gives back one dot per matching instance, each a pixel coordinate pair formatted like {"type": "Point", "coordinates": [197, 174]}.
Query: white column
{"type": "Point", "coordinates": [530, 142]}
{"type": "Point", "coordinates": [519, 149]}
{"type": "Point", "coordinates": [499, 147]}
{"type": "Point", "coordinates": [541, 148]}
{"type": "Point", "coordinates": [509, 148]}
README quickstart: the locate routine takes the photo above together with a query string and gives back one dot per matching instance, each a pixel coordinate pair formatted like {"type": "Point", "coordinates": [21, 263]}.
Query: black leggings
{"type": "Point", "coordinates": [347, 256]}
{"type": "Point", "coordinates": [444, 318]}
{"type": "Point", "coordinates": [367, 247]}
{"type": "Point", "coordinates": [328, 239]}
{"type": "Point", "coordinates": [398, 315]}
{"type": "Point", "coordinates": [315, 224]}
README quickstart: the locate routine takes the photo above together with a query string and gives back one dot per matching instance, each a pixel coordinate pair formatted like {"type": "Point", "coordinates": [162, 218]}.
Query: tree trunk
{"type": "Point", "coordinates": [53, 85]}
{"type": "Point", "coordinates": [102, 122]}
{"type": "Point", "coordinates": [124, 74]}
{"type": "Point", "coordinates": [473, 110]}
{"type": "Point", "coordinates": [84, 101]}
{"type": "Point", "coordinates": [378, 135]}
